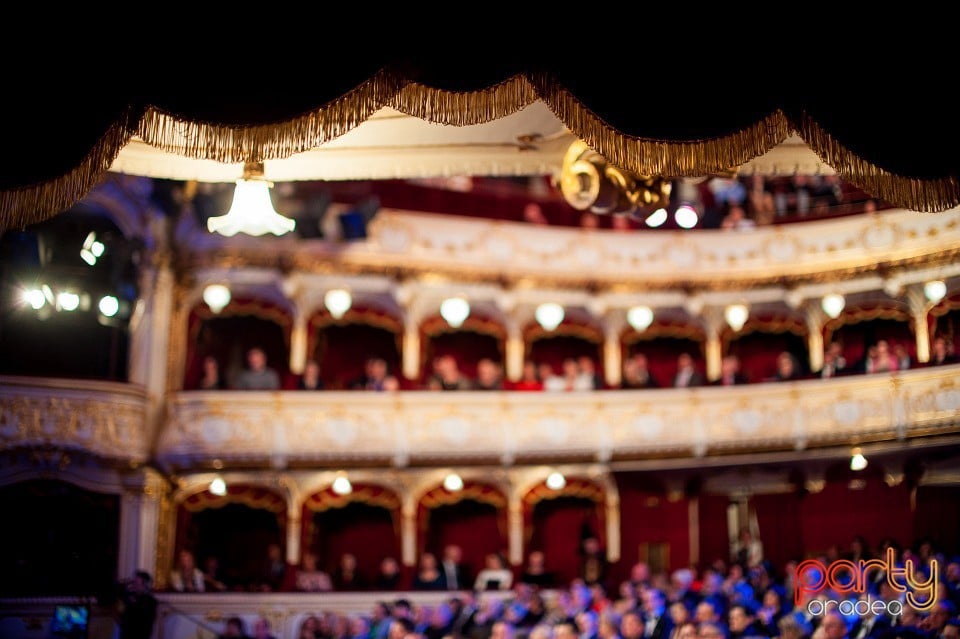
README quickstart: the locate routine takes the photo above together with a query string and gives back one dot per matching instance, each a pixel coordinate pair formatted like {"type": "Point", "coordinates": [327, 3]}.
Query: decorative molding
{"type": "Point", "coordinates": [336, 429]}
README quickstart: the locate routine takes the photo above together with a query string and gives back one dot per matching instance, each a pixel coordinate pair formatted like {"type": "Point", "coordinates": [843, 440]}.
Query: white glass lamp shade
{"type": "Point", "coordinates": [736, 316]}
{"type": "Point", "coordinates": [686, 217]}
{"type": "Point", "coordinates": [549, 315]}
{"type": "Point", "coordinates": [218, 487]}
{"type": "Point", "coordinates": [109, 305]}
{"type": "Point", "coordinates": [217, 296]}
{"type": "Point", "coordinates": [556, 481]}
{"type": "Point", "coordinates": [338, 301]}
{"type": "Point", "coordinates": [833, 305]}
{"type": "Point", "coordinates": [857, 460]}
{"type": "Point", "coordinates": [342, 485]}
{"type": "Point", "coordinates": [640, 318]}
{"type": "Point", "coordinates": [455, 310]}
{"type": "Point", "coordinates": [935, 290]}
{"type": "Point", "coordinates": [453, 482]}
{"type": "Point", "coordinates": [252, 212]}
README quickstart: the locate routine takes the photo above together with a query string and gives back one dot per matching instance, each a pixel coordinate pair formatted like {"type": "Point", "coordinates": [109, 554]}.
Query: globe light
{"type": "Point", "coordinates": [556, 481]}
{"type": "Point", "coordinates": [68, 300]}
{"type": "Point", "coordinates": [736, 316]}
{"type": "Point", "coordinates": [455, 310]}
{"type": "Point", "coordinates": [935, 290]}
{"type": "Point", "coordinates": [657, 218]}
{"type": "Point", "coordinates": [35, 298]}
{"type": "Point", "coordinates": [549, 315]}
{"type": "Point", "coordinates": [640, 318]}
{"type": "Point", "coordinates": [857, 460]}
{"type": "Point", "coordinates": [109, 305]}
{"type": "Point", "coordinates": [342, 485]}
{"type": "Point", "coordinates": [453, 482]}
{"type": "Point", "coordinates": [218, 487]}
{"type": "Point", "coordinates": [338, 301]}
{"type": "Point", "coordinates": [686, 217]}
{"type": "Point", "coordinates": [833, 305]}
{"type": "Point", "coordinates": [217, 296]}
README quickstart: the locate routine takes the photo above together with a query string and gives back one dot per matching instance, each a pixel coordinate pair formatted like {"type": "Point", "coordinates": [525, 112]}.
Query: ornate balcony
{"type": "Point", "coordinates": [358, 428]}
{"type": "Point", "coordinates": [103, 419]}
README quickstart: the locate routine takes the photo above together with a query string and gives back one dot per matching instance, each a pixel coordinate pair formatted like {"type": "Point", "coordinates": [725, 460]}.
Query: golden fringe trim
{"type": "Point", "coordinates": [465, 108]}
{"type": "Point", "coordinates": [661, 157]}
{"type": "Point", "coordinates": [231, 144]}
{"type": "Point", "coordinates": [33, 204]}
{"type": "Point", "coordinates": [928, 195]}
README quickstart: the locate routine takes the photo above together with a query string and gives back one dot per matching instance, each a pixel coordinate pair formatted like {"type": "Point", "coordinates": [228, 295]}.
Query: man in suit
{"type": "Point", "coordinates": [730, 374]}
{"type": "Point", "coordinates": [657, 624]}
{"type": "Point", "coordinates": [687, 375]}
{"type": "Point", "coordinates": [453, 569]}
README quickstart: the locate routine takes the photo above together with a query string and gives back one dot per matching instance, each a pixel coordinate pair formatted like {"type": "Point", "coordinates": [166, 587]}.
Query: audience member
{"type": "Point", "coordinates": [489, 375]}
{"type": "Point", "coordinates": [455, 572]}
{"type": "Point", "coordinates": [787, 367]}
{"type": "Point", "coordinates": [730, 374]}
{"type": "Point", "coordinates": [880, 359]}
{"type": "Point", "coordinates": [346, 576]}
{"type": "Point", "coordinates": [211, 379]}
{"type": "Point", "coordinates": [310, 380]}
{"type": "Point", "coordinates": [185, 576]}
{"type": "Point", "coordinates": [309, 578]}
{"type": "Point", "coordinates": [536, 573]}
{"type": "Point", "coordinates": [529, 379]}
{"type": "Point", "coordinates": [257, 376]}
{"type": "Point", "coordinates": [428, 576]}
{"type": "Point", "coordinates": [941, 352]}
{"type": "Point", "coordinates": [636, 373]}
{"type": "Point", "coordinates": [388, 577]}
{"type": "Point", "coordinates": [447, 375]}
{"type": "Point", "coordinates": [234, 628]}
{"type": "Point", "coordinates": [687, 375]}
{"type": "Point", "coordinates": [139, 607]}
{"type": "Point", "coordinates": [494, 576]}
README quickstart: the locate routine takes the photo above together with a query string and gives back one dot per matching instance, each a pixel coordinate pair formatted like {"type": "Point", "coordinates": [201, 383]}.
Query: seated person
{"type": "Point", "coordinates": [488, 375]}
{"type": "Point", "coordinates": [941, 352]}
{"type": "Point", "coordinates": [211, 378]}
{"type": "Point", "coordinates": [834, 363]}
{"type": "Point", "coordinates": [185, 576]}
{"type": "Point", "coordinates": [536, 573]}
{"type": "Point", "coordinates": [730, 374]}
{"type": "Point", "coordinates": [787, 367]}
{"type": "Point", "coordinates": [589, 378]}
{"type": "Point", "coordinates": [636, 373]}
{"type": "Point", "coordinates": [310, 380]}
{"type": "Point", "coordinates": [309, 578]}
{"type": "Point", "coordinates": [529, 379]}
{"type": "Point", "coordinates": [494, 576]}
{"type": "Point", "coordinates": [429, 576]}
{"type": "Point", "coordinates": [258, 375]}
{"type": "Point", "coordinates": [447, 375]}
{"type": "Point", "coordinates": [687, 375]}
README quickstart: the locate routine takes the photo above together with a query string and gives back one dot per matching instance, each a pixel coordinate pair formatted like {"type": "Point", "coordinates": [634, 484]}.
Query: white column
{"type": "Point", "coordinates": [919, 311]}
{"type": "Point", "coordinates": [293, 537]}
{"type": "Point", "coordinates": [515, 528]}
{"type": "Point", "coordinates": [298, 341]}
{"type": "Point", "coordinates": [613, 325]}
{"type": "Point", "coordinates": [713, 323]}
{"type": "Point", "coordinates": [814, 319]}
{"type": "Point", "coordinates": [411, 351]}
{"type": "Point", "coordinates": [515, 350]}
{"type": "Point", "coordinates": [612, 506]}
{"type": "Point", "coordinates": [139, 523]}
{"type": "Point", "coordinates": [408, 536]}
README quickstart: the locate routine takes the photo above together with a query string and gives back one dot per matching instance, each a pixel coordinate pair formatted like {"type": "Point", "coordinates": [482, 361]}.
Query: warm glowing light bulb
{"type": "Point", "coordinates": [35, 298]}
{"type": "Point", "coordinates": [657, 218]}
{"type": "Point", "coordinates": [935, 290]}
{"type": "Point", "coordinates": [68, 300]}
{"type": "Point", "coordinates": [342, 485]}
{"type": "Point", "coordinates": [833, 304]}
{"type": "Point", "coordinates": [218, 487]}
{"type": "Point", "coordinates": [217, 296]}
{"type": "Point", "coordinates": [857, 460]}
{"type": "Point", "coordinates": [556, 481]}
{"type": "Point", "coordinates": [252, 211]}
{"type": "Point", "coordinates": [338, 301]}
{"type": "Point", "coordinates": [455, 310]}
{"type": "Point", "coordinates": [109, 305]}
{"type": "Point", "coordinates": [686, 217]}
{"type": "Point", "coordinates": [736, 316]}
{"type": "Point", "coordinates": [640, 318]}
{"type": "Point", "coordinates": [549, 315]}
{"type": "Point", "coordinates": [453, 482]}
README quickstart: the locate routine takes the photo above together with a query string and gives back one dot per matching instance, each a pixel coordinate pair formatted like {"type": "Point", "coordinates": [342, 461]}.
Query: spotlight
{"type": "Point", "coordinates": [833, 305]}
{"type": "Point", "coordinates": [68, 301]}
{"type": "Point", "coordinates": [736, 316]}
{"type": "Point", "coordinates": [88, 256]}
{"type": "Point", "coordinates": [35, 298]}
{"type": "Point", "coordinates": [338, 301]}
{"type": "Point", "coordinates": [657, 218]}
{"type": "Point", "coordinates": [97, 248]}
{"type": "Point", "coordinates": [453, 482]}
{"type": "Point", "coordinates": [217, 296]}
{"type": "Point", "coordinates": [686, 217]}
{"type": "Point", "coordinates": [218, 487]}
{"type": "Point", "coordinates": [556, 481]}
{"type": "Point", "coordinates": [109, 305]}
{"type": "Point", "coordinates": [549, 315]}
{"type": "Point", "coordinates": [935, 290]}
{"type": "Point", "coordinates": [640, 318]}
{"type": "Point", "coordinates": [455, 310]}
{"type": "Point", "coordinates": [342, 485]}
{"type": "Point", "coordinates": [857, 460]}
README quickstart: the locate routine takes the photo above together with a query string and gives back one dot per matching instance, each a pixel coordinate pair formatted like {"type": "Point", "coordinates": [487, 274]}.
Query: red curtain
{"type": "Point", "coordinates": [366, 531]}
{"type": "Point", "coordinates": [558, 527]}
{"type": "Point", "coordinates": [553, 350]}
{"type": "Point", "coordinates": [478, 528]}
{"type": "Point", "coordinates": [758, 353]}
{"type": "Point", "coordinates": [714, 537]}
{"type": "Point", "coordinates": [662, 353]}
{"type": "Point", "coordinates": [938, 517]}
{"type": "Point", "coordinates": [342, 352]}
{"type": "Point", "coordinates": [778, 518]}
{"type": "Point", "coordinates": [860, 328]}
{"type": "Point", "coordinates": [467, 347]}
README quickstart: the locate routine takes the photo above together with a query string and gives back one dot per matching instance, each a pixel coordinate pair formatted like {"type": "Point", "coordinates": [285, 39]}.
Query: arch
{"type": "Point", "coordinates": [475, 518]}
{"type": "Point", "coordinates": [662, 342]}
{"type": "Point", "coordinates": [557, 521]}
{"type": "Point", "coordinates": [888, 319]}
{"type": "Point", "coordinates": [244, 323]}
{"type": "Point", "coordinates": [479, 337]}
{"type": "Point", "coordinates": [342, 346]}
{"type": "Point", "coordinates": [763, 337]}
{"type": "Point", "coordinates": [236, 528]}
{"type": "Point", "coordinates": [574, 338]}
{"type": "Point", "coordinates": [365, 523]}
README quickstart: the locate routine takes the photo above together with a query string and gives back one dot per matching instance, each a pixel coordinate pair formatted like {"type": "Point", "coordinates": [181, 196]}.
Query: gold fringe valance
{"type": "Point", "coordinates": [390, 87]}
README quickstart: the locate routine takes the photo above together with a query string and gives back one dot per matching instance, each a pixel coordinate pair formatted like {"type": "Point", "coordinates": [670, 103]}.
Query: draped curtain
{"type": "Point", "coordinates": [898, 146]}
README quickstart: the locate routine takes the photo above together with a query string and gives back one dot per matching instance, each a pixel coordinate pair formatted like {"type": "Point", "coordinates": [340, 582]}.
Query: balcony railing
{"type": "Point", "coordinates": [105, 419]}
{"type": "Point", "coordinates": [465, 427]}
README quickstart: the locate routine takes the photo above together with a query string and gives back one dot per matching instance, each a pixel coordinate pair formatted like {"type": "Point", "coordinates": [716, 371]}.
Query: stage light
{"type": "Point", "coordinates": [35, 298]}
{"type": "Point", "coordinates": [218, 487]}
{"type": "Point", "coordinates": [342, 485]}
{"type": "Point", "coordinates": [453, 482]}
{"type": "Point", "coordinates": [833, 305]}
{"type": "Point", "coordinates": [338, 301]}
{"type": "Point", "coordinates": [68, 300]}
{"type": "Point", "coordinates": [935, 290]}
{"type": "Point", "coordinates": [88, 256]}
{"type": "Point", "coordinates": [549, 315]}
{"type": "Point", "coordinates": [97, 248]}
{"type": "Point", "coordinates": [657, 218]}
{"type": "Point", "coordinates": [556, 481]}
{"type": "Point", "coordinates": [857, 460]}
{"type": "Point", "coordinates": [455, 310]}
{"type": "Point", "coordinates": [686, 217]}
{"type": "Point", "coordinates": [640, 318]}
{"type": "Point", "coordinates": [217, 296]}
{"type": "Point", "coordinates": [252, 211]}
{"type": "Point", "coordinates": [736, 315]}
{"type": "Point", "coordinates": [109, 305]}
